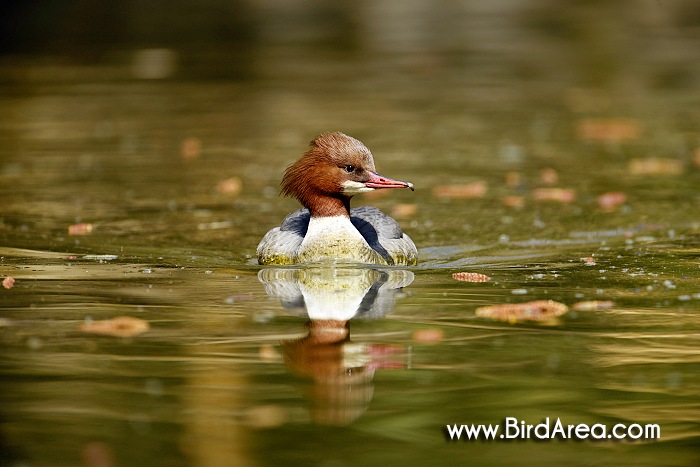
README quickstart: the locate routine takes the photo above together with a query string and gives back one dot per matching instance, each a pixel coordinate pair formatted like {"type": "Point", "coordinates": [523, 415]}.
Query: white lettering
{"type": "Point", "coordinates": [490, 431]}
{"type": "Point", "coordinates": [542, 426]}
{"type": "Point", "coordinates": [582, 431]}
{"type": "Point", "coordinates": [637, 427]}
{"type": "Point", "coordinates": [527, 434]}
{"type": "Point", "coordinates": [652, 431]}
{"type": "Point", "coordinates": [511, 422]}
{"type": "Point", "coordinates": [454, 431]}
{"type": "Point", "coordinates": [558, 430]}
{"type": "Point", "coordinates": [598, 431]}
{"type": "Point", "coordinates": [512, 428]}
{"type": "Point", "coordinates": [616, 434]}
{"type": "Point", "coordinates": [472, 431]}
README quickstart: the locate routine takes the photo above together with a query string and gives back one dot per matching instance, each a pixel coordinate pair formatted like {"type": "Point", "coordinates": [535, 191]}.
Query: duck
{"type": "Point", "coordinates": [334, 169]}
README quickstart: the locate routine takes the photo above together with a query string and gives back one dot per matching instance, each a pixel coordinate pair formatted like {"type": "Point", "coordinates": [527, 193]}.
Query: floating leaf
{"type": "Point", "coordinates": [467, 191]}
{"type": "Point", "coordinates": [562, 195]}
{"type": "Point", "coordinates": [428, 336]}
{"type": "Point", "coordinates": [230, 186]}
{"type": "Point", "coordinates": [592, 305]}
{"type": "Point", "coordinates": [80, 229]}
{"type": "Point", "coordinates": [470, 277]}
{"type": "Point", "coordinates": [656, 166]}
{"type": "Point", "coordinates": [613, 130]}
{"type": "Point", "coordinates": [611, 200]}
{"type": "Point", "coordinates": [121, 326]}
{"type": "Point", "coordinates": [538, 310]}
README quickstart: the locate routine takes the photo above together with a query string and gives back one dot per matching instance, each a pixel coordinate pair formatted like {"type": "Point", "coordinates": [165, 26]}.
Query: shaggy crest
{"type": "Point", "coordinates": [310, 175]}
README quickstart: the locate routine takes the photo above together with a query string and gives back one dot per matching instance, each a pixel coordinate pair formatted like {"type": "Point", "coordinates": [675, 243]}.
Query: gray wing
{"type": "Point", "coordinates": [296, 222]}
{"type": "Point", "coordinates": [384, 235]}
{"type": "Point", "coordinates": [280, 245]}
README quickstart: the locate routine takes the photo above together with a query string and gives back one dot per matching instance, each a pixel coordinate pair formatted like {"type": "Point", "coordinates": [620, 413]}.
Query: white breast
{"type": "Point", "coordinates": [336, 238]}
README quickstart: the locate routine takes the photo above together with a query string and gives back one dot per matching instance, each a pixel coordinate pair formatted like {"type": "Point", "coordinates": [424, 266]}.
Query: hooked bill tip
{"type": "Point", "coordinates": [410, 185]}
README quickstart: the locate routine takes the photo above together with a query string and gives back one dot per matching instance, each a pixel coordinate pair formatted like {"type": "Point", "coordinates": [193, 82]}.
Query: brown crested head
{"type": "Point", "coordinates": [335, 168]}
{"type": "Point", "coordinates": [331, 161]}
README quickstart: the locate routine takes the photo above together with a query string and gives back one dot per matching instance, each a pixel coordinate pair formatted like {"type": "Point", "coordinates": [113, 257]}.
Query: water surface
{"type": "Point", "coordinates": [125, 197]}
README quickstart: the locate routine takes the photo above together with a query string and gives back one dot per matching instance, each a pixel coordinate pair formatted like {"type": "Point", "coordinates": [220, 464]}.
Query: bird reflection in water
{"type": "Point", "coordinates": [339, 370]}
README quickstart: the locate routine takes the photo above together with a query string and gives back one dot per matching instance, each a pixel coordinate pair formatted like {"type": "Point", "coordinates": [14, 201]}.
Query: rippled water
{"type": "Point", "coordinates": [147, 199]}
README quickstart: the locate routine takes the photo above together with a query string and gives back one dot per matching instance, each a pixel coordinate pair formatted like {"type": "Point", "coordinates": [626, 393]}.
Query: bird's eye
{"type": "Point", "coordinates": [349, 168]}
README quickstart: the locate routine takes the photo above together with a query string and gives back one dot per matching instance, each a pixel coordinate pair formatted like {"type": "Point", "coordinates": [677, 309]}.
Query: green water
{"type": "Point", "coordinates": [223, 375]}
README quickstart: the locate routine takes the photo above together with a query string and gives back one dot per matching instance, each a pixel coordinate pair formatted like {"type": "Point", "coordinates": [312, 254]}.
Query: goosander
{"type": "Point", "coordinates": [335, 168]}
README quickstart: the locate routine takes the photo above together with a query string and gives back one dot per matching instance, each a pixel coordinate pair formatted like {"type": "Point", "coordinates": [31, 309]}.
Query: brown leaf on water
{"type": "Point", "coordinates": [538, 310]}
{"type": "Point", "coordinates": [428, 336]}
{"type": "Point", "coordinates": [121, 326]}
{"type": "Point", "coordinates": [611, 200]}
{"type": "Point", "coordinates": [80, 229]}
{"type": "Point", "coordinates": [191, 148]}
{"type": "Point", "coordinates": [612, 130]}
{"type": "Point", "coordinates": [562, 195]}
{"type": "Point", "coordinates": [656, 166]}
{"type": "Point", "coordinates": [549, 176]}
{"type": "Point", "coordinates": [230, 186]}
{"type": "Point", "coordinates": [472, 190]}
{"type": "Point", "coordinates": [470, 277]}
{"type": "Point", "coordinates": [592, 305]}
{"type": "Point", "coordinates": [513, 201]}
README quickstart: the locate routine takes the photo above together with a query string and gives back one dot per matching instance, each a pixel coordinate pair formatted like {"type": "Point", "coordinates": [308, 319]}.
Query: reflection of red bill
{"type": "Point", "coordinates": [386, 357]}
